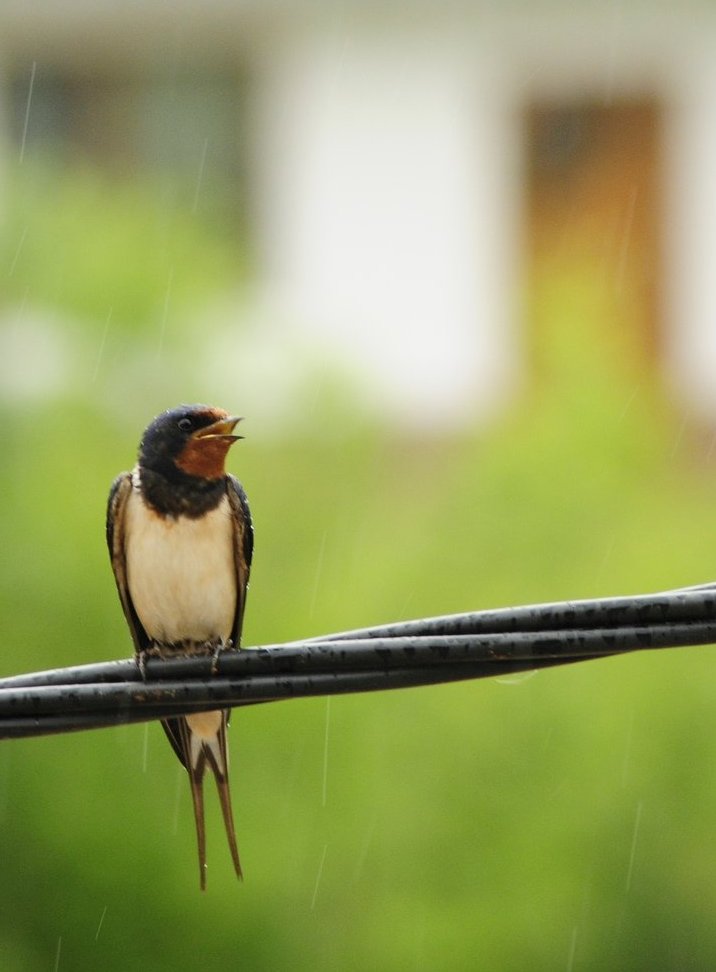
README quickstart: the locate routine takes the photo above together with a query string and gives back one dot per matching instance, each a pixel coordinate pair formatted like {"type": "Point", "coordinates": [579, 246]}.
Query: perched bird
{"type": "Point", "coordinates": [180, 540]}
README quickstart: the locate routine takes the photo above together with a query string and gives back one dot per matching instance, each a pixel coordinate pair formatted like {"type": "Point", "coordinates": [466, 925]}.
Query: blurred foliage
{"type": "Point", "coordinates": [559, 821]}
{"type": "Point", "coordinates": [89, 246]}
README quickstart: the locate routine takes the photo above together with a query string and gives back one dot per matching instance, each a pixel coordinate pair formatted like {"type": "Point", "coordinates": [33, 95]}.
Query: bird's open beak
{"type": "Point", "coordinates": [223, 429]}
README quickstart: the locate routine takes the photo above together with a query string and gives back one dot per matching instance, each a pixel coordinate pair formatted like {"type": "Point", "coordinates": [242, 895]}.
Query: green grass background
{"type": "Point", "coordinates": [558, 821]}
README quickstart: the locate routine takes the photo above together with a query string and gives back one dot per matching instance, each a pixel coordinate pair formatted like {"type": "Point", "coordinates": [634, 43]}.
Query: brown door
{"type": "Point", "coordinates": [593, 198]}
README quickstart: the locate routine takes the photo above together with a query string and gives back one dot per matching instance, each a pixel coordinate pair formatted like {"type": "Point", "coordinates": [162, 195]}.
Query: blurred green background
{"type": "Point", "coordinates": [562, 820]}
{"type": "Point", "coordinates": [496, 824]}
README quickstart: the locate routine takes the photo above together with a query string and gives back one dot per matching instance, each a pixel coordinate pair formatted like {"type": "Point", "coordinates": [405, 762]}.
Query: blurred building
{"type": "Point", "coordinates": [402, 166]}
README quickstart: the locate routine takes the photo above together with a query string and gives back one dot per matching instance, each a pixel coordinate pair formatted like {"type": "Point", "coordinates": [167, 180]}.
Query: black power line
{"type": "Point", "coordinates": [406, 654]}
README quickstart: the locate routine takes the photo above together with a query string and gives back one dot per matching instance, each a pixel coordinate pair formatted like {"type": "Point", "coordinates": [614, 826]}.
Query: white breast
{"type": "Point", "coordinates": [181, 573]}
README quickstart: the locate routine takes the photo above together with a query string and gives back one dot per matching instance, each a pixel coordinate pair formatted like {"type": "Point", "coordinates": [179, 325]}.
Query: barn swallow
{"type": "Point", "coordinates": [180, 541]}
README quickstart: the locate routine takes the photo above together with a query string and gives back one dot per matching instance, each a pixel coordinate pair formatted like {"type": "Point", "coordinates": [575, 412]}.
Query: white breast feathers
{"type": "Point", "coordinates": [181, 573]}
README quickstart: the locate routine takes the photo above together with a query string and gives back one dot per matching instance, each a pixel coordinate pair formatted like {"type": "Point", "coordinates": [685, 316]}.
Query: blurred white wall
{"type": "Point", "coordinates": [389, 180]}
{"type": "Point", "coordinates": [690, 207]}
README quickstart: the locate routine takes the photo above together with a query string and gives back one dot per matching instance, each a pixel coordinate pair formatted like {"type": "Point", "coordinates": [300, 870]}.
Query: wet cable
{"type": "Point", "coordinates": [429, 651]}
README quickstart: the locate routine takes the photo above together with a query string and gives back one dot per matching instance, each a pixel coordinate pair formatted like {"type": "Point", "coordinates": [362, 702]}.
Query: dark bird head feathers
{"type": "Point", "coordinates": [182, 456]}
{"type": "Point", "coordinates": [193, 439]}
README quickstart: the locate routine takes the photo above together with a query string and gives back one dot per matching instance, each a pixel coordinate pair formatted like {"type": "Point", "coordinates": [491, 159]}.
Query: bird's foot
{"type": "Point", "coordinates": [141, 660]}
{"type": "Point", "coordinates": [142, 657]}
{"type": "Point", "coordinates": [217, 649]}
{"type": "Point", "coordinates": [156, 649]}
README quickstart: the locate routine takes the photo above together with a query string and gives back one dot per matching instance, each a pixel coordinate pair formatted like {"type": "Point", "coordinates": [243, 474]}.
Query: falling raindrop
{"type": "Point", "coordinates": [601, 570]}
{"type": "Point", "coordinates": [637, 823]}
{"type": "Point", "coordinates": [625, 240]}
{"type": "Point", "coordinates": [519, 678]}
{"type": "Point", "coordinates": [572, 949]}
{"type": "Point", "coordinates": [177, 800]}
{"type": "Point", "coordinates": [145, 747]}
{"type": "Point", "coordinates": [365, 847]}
{"type": "Point", "coordinates": [200, 176]}
{"type": "Point", "coordinates": [165, 312]}
{"type": "Point", "coordinates": [101, 922]}
{"type": "Point", "coordinates": [18, 249]}
{"type": "Point", "coordinates": [27, 111]}
{"type": "Point", "coordinates": [325, 752]}
{"type": "Point", "coordinates": [319, 569]}
{"type": "Point", "coordinates": [318, 877]}
{"type": "Point", "coordinates": [627, 750]}
{"type": "Point", "coordinates": [628, 405]}
{"type": "Point", "coordinates": [678, 438]}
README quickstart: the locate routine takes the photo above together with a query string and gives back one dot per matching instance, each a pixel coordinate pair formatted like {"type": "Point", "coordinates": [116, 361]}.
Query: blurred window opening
{"type": "Point", "coordinates": [186, 130]}
{"type": "Point", "coordinates": [594, 200]}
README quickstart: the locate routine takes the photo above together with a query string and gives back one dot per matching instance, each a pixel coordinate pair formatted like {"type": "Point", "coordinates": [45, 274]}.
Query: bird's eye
{"type": "Point", "coordinates": [184, 424]}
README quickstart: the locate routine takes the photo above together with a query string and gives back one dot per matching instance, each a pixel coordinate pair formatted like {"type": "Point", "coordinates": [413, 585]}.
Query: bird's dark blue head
{"type": "Point", "coordinates": [190, 440]}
